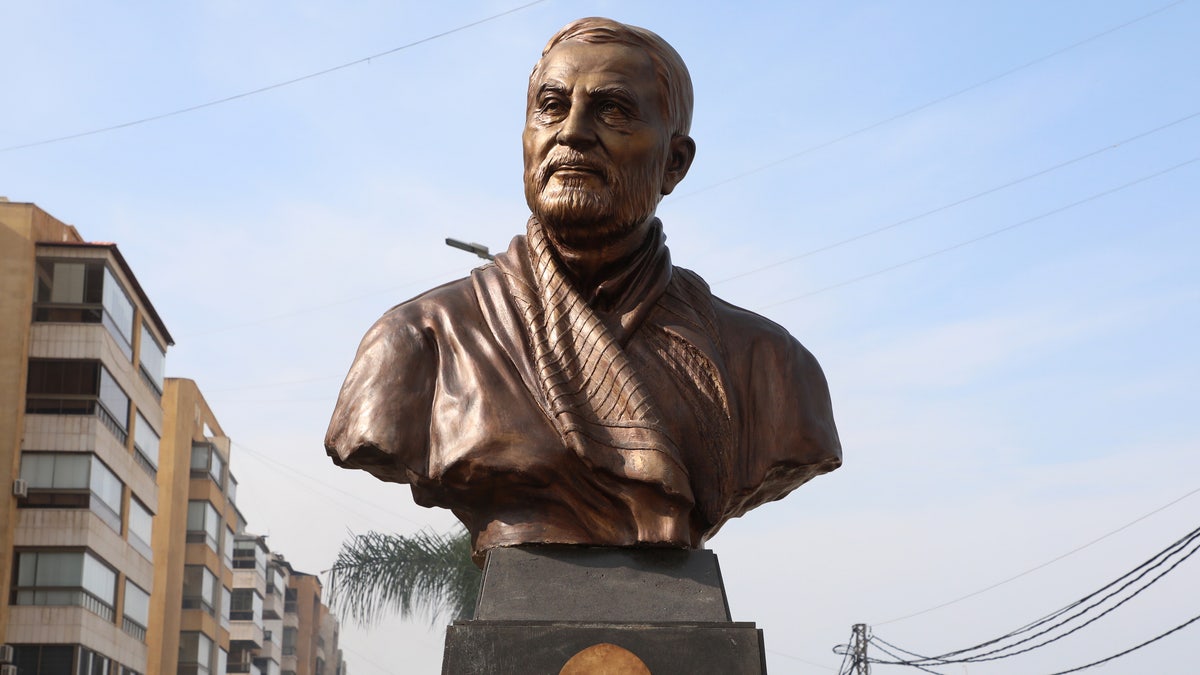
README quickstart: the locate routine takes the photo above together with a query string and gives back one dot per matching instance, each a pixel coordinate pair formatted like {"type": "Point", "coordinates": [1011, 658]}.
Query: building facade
{"type": "Point", "coordinates": [193, 538]}
{"type": "Point", "coordinates": [123, 549]}
{"type": "Point", "coordinates": [82, 352]}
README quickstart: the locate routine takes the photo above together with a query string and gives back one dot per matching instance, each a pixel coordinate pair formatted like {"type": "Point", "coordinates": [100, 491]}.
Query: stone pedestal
{"type": "Point", "coordinates": [565, 610]}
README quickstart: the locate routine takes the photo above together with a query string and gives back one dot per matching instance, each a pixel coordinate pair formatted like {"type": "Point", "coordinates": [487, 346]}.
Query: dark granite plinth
{"type": "Point", "coordinates": [540, 606]}
{"type": "Point", "coordinates": [581, 583]}
{"type": "Point", "coordinates": [537, 648]}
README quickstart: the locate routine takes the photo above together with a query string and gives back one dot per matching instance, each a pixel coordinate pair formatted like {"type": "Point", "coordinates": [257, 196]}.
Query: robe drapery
{"type": "Point", "coordinates": [647, 414]}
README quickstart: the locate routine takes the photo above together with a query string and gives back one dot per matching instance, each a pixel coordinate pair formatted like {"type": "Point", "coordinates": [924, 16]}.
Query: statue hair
{"type": "Point", "coordinates": [674, 81]}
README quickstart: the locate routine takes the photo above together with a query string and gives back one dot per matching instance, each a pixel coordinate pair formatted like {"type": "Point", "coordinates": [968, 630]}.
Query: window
{"type": "Point", "coordinates": [137, 611]}
{"type": "Point", "coordinates": [206, 460]}
{"type": "Point", "coordinates": [84, 291]}
{"type": "Point", "coordinates": [226, 602]}
{"type": "Point", "coordinates": [77, 387]}
{"type": "Point", "coordinates": [65, 578]}
{"type": "Point", "coordinates": [92, 663]}
{"type": "Point", "coordinates": [152, 359]}
{"type": "Point", "coordinates": [59, 480]}
{"type": "Point", "coordinates": [141, 524]}
{"type": "Point", "coordinates": [247, 605]}
{"type": "Point", "coordinates": [199, 588]}
{"type": "Point", "coordinates": [203, 524]}
{"type": "Point", "coordinates": [248, 554]}
{"type": "Point", "coordinates": [145, 445]}
{"type": "Point", "coordinates": [289, 601]}
{"type": "Point", "coordinates": [227, 549]}
{"type": "Point", "coordinates": [195, 653]}
{"type": "Point", "coordinates": [276, 580]}
{"type": "Point", "coordinates": [289, 641]}
{"type": "Point", "coordinates": [43, 659]}
{"type": "Point", "coordinates": [231, 491]}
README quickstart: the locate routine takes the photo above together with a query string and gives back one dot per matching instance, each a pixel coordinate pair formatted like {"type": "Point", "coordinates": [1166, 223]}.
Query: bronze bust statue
{"type": "Point", "coordinates": [581, 389]}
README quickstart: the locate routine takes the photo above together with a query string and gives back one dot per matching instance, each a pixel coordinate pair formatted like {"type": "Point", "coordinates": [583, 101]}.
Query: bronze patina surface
{"type": "Point", "coordinates": [581, 389]}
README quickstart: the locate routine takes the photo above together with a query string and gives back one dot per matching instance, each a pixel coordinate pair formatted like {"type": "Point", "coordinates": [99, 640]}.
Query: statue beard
{"type": "Point", "coordinates": [582, 217]}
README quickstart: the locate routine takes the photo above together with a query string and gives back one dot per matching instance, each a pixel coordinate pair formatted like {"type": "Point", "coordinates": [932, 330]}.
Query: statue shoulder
{"type": "Point", "coordinates": [429, 309]}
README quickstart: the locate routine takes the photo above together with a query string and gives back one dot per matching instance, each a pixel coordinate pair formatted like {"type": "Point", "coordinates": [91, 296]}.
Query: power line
{"type": "Point", "coordinates": [1149, 566]}
{"type": "Point", "coordinates": [986, 235]}
{"type": "Point", "coordinates": [1181, 626]}
{"type": "Point", "coordinates": [964, 200]}
{"type": "Point", "coordinates": [377, 509]}
{"type": "Point", "coordinates": [1045, 564]}
{"type": "Point", "coordinates": [270, 87]}
{"type": "Point", "coordinates": [822, 249]}
{"type": "Point", "coordinates": [317, 308]}
{"type": "Point", "coordinates": [1121, 584]}
{"type": "Point", "coordinates": [946, 97]}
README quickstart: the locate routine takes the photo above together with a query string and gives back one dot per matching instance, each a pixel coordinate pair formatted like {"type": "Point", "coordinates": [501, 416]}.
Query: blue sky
{"type": "Point", "coordinates": [1000, 403]}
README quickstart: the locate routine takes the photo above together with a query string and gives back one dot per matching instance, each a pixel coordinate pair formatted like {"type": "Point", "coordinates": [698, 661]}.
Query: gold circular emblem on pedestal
{"type": "Point", "coordinates": [605, 659]}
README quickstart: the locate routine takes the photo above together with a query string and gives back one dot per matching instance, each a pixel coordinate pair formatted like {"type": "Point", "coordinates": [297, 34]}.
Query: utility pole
{"type": "Point", "coordinates": [858, 650]}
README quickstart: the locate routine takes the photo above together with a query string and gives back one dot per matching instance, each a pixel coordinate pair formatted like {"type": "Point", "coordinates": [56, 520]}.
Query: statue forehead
{"type": "Point", "coordinates": [614, 61]}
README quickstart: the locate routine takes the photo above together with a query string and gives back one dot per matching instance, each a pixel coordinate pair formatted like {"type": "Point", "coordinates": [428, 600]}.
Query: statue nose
{"type": "Point", "coordinates": [577, 130]}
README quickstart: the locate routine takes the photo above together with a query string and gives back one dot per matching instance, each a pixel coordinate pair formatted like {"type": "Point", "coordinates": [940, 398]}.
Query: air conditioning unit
{"type": "Point", "coordinates": [6, 653]}
{"type": "Point", "coordinates": [8, 670]}
{"type": "Point", "coordinates": [20, 489]}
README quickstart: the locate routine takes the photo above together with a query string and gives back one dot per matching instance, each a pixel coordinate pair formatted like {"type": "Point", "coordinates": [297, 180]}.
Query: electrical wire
{"type": "Point", "coordinates": [1073, 551]}
{"type": "Point", "coordinates": [940, 99]}
{"type": "Point", "coordinates": [959, 202]}
{"type": "Point", "coordinates": [993, 655]}
{"type": "Point", "coordinates": [308, 309]}
{"type": "Point", "coordinates": [1181, 626]}
{"type": "Point", "coordinates": [324, 484]}
{"type": "Point", "coordinates": [885, 651]}
{"type": "Point", "coordinates": [986, 235]}
{"type": "Point", "coordinates": [269, 87]}
{"type": "Point", "coordinates": [1130, 578]}
{"type": "Point", "coordinates": [1149, 565]}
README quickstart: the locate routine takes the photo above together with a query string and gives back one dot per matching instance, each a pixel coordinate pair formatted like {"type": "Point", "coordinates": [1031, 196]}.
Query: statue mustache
{"type": "Point", "coordinates": [572, 159]}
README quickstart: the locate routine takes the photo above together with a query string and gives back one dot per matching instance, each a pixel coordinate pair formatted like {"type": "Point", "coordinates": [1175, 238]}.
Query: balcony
{"type": "Point", "coordinates": [247, 667]}
{"type": "Point", "coordinates": [270, 650]}
{"type": "Point", "coordinates": [249, 634]}
{"type": "Point", "coordinates": [272, 606]}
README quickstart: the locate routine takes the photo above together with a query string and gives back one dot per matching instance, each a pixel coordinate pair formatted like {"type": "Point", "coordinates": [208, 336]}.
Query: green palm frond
{"type": "Point", "coordinates": [427, 573]}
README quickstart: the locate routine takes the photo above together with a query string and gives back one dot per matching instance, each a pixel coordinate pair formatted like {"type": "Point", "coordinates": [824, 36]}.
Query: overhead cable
{"type": "Point", "coordinates": [270, 87]}
{"type": "Point", "coordinates": [1073, 551]}
{"type": "Point", "coordinates": [1178, 551]}
{"type": "Point", "coordinates": [964, 200]}
{"type": "Point", "coordinates": [377, 509]}
{"type": "Point", "coordinates": [945, 97]}
{"type": "Point", "coordinates": [1118, 655]}
{"type": "Point", "coordinates": [986, 235]}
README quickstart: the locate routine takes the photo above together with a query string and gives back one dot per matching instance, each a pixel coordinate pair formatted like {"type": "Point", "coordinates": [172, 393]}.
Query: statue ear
{"type": "Point", "coordinates": [682, 151]}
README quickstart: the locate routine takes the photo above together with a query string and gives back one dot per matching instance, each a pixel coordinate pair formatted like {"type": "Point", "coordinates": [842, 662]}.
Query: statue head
{"type": "Point", "coordinates": [607, 117]}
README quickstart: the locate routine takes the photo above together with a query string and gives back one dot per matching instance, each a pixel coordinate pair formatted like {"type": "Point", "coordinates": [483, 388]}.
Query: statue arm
{"type": "Point", "coordinates": [381, 422]}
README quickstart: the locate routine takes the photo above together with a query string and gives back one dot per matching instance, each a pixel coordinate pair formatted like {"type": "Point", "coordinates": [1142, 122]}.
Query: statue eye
{"type": "Point", "coordinates": [611, 109]}
{"type": "Point", "coordinates": [552, 107]}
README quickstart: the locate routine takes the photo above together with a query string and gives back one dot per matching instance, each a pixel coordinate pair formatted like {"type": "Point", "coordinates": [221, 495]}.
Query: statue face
{"type": "Point", "coordinates": [596, 144]}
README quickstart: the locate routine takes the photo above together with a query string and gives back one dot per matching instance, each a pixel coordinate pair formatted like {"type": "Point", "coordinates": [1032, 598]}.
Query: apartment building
{"type": "Point", "coordinates": [123, 550]}
{"type": "Point", "coordinates": [82, 352]}
{"type": "Point", "coordinates": [194, 538]}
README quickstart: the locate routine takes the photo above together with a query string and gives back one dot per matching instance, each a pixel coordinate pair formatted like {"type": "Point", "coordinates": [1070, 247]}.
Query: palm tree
{"type": "Point", "coordinates": [376, 574]}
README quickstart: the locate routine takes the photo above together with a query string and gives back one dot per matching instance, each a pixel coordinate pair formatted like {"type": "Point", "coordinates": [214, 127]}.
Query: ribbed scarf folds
{"type": "Point", "coordinates": [582, 377]}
